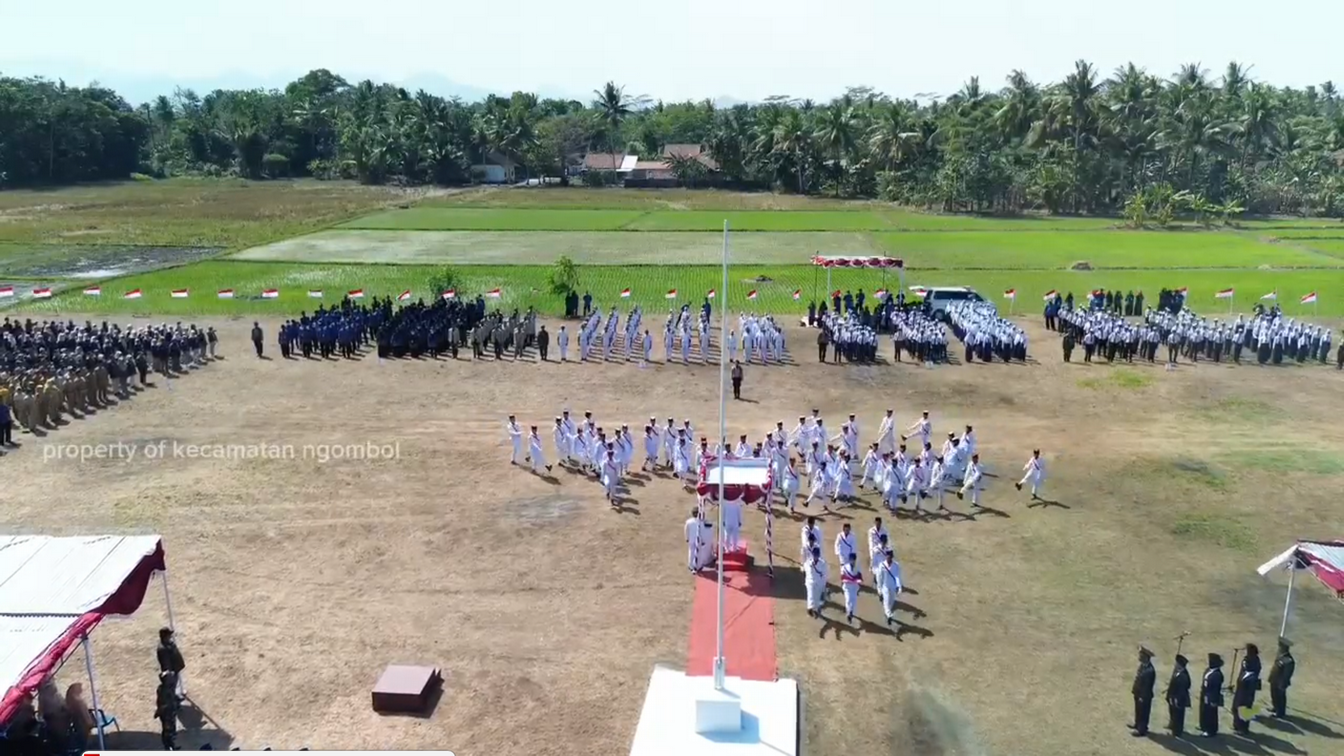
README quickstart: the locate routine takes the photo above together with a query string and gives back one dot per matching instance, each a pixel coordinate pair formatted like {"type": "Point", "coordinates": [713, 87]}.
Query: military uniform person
{"type": "Point", "coordinates": [1145, 679]}
{"type": "Point", "coordinates": [1280, 677]}
{"type": "Point", "coordinates": [1211, 697]}
{"type": "Point", "coordinates": [1243, 695]}
{"type": "Point", "coordinates": [1178, 696]}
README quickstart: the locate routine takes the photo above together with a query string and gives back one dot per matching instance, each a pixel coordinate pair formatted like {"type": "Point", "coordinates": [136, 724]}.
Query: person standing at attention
{"type": "Point", "coordinates": [256, 337]}
{"type": "Point", "coordinates": [737, 379]}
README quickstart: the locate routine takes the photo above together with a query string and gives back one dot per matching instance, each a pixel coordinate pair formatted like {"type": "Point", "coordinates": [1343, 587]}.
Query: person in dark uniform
{"type": "Point", "coordinates": [1211, 697]}
{"type": "Point", "coordinates": [1068, 345]}
{"type": "Point", "coordinates": [166, 707]}
{"type": "Point", "coordinates": [1243, 694]}
{"type": "Point", "coordinates": [1339, 357]}
{"type": "Point", "coordinates": [587, 304]}
{"type": "Point", "coordinates": [822, 340]}
{"type": "Point", "coordinates": [256, 337]}
{"type": "Point", "coordinates": [1178, 696]}
{"type": "Point", "coordinates": [543, 342]}
{"type": "Point", "coordinates": [737, 379]}
{"type": "Point", "coordinates": [1145, 680]}
{"type": "Point", "coordinates": [167, 654]}
{"type": "Point", "coordinates": [1280, 677]}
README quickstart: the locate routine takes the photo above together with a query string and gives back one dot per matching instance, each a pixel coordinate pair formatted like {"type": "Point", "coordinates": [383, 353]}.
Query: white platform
{"type": "Point", "coordinates": [667, 724]}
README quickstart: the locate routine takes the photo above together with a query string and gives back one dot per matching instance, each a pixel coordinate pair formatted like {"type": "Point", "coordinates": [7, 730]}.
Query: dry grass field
{"type": "Point", "coordinates": [296, 581]}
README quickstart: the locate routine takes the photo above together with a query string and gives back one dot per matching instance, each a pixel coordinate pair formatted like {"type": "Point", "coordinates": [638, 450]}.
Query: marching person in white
{"type": "Point", "coordinates": [845, 544]}
{"type": "Point", "coordinates": [681, 457]}
{"type": "Point", "coordinates": [870, 461]}
{"type": "Point", "coordinates": [923, 427]}
{"type": "Point", "coordinates": [813, 530]}
{"type": "Point", "coordinates": [611, 476]}
{"type": "Point", "coordinates": [968, 440]}
{"type": "Point", "coordinates": [917, 485]}
{"type": "Point", "coordinates": [698, 552]}
{"type": "Point", "coordinates": [817, 572]}
{"type": "Point", "coordinates": [889, 585]}
{"type": "Point", "coordinates": [516, 438]}
{"type": "Point", "coordinates": [561, 442]}
{"type": "Point", "coordinates": [743, 449]}
{"type": "Point", "coordinates": [851, 579]}
{"type": "Point", "coordinates": [670, 442]}
{"type": "Point", "coordinates": [648, 348]}
{"type": "Point", "coordinates": [650, 448]}
{"type": "Point", "coordinates": [1035, 473]}
{"type": "Point", "coordinates": [854, 428]}
{"type": "Point", "coordinates": [798, 437]}
{"type": "Point", "coordinates": [534, 451]}
{"type": "Point", "coordinates": [731, 537]}
{"type": "Point", "coordinates": [791, 484]}
{"type": "Point", "coordinates": [971, 482]}
{"type": "Point", "coordinates": [818, 484]}
{"type": "Point", "coordinates": [878, 540]}
{"type": "Point", "coordinates": [844, 481]}
{"type": "Point", "coordinates": [937, 480]}
{"type": "Point", "coordinates": [886, 433]}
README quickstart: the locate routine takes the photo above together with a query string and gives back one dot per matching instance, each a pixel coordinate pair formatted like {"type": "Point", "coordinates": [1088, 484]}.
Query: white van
{"type": "Point", "coordinates": [937, 298]}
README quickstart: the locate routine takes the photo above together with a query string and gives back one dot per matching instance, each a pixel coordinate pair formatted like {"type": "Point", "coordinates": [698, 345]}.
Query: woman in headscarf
{"type": "Point", "coordinates": [81, 719]}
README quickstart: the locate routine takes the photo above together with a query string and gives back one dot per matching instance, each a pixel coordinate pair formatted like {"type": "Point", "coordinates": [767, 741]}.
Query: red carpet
{"type": "Point", "coordinates": [748, 630]}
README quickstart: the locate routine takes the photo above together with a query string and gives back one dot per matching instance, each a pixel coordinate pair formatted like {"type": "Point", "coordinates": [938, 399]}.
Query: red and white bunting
{"type": "Point", "coordinates": [450, 294]}
{"type": "Point", "coordinates": [834, 261]}
{"type": "Point", "coordinates": [132, 294]}
{"type": "Point", "coordinates": [42, 293]}
{"type": "Point", "coordinates": [625, 293]}
{"type": "Point", "coordinates": [93, 291]}
{"type": "Point", "coordinates": [495, 293]}
{"type": "Point", "coordinates": [270, 293]}
{"type": "Point", "coordinates": [6, 291]}
{"type": "Point", "coordinates": [1309, 299]}
{"type": "Point", "coordinates": [1225, 294]}
{"type": "Point", "coordinates": [355, 293]}
{"type": "Point", "coordinates": [181, 293]}
{"type": "Point", "coordinates": [225, 294]}
{"type": "Point", "coordinates": [671, 294]}
{"type": "Point", "coordinates": [405, 296]}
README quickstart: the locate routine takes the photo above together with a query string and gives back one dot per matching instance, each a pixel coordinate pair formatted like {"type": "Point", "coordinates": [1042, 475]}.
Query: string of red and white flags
{"type": "Point", "coordinates": [1272, 296]}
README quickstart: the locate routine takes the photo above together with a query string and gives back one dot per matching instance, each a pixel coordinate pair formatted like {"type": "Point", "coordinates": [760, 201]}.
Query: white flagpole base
{"type": "Point", "coordinates": [687, 715]}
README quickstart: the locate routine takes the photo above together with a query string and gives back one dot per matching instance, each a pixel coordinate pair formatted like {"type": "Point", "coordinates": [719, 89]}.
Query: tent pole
{"type": "Point", "coordinates": [720, 664]}
{"type": "Point", "coordinates": [814, 283]}
{"type": "Point", "coordinates": [1288, 602]}
{"type": "Point", "coordinates": [93, 688]}
{"type": "Point", "coordinates": [168, 601]}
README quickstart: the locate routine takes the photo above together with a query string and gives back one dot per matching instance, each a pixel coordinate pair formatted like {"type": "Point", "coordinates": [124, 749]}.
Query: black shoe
{"type": "Point", "coordinates": [1018, 486]}
{"type": "Point", "coordinates": [959, 495]}
{"type": "Point", "coordinates": [548, 468]}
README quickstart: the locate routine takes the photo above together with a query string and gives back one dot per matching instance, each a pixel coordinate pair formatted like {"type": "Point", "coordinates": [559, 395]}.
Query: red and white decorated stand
{"type": "Point", "coordinates": [830, 262]}
{"type": "Point", "coordinates": [745, 480]}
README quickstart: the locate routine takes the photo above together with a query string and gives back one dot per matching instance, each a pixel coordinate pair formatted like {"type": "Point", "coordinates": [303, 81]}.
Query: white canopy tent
{"type": "Point", "coordinates": [1324, 559]}
{"type": "Point", "coordinates": [55, 591]}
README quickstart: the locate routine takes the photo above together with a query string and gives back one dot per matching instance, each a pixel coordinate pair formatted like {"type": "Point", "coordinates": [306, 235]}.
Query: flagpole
{"type": "Point", "coordinates": [1231, 302]}
{"type": "Point", "coordinates": [719, 663]}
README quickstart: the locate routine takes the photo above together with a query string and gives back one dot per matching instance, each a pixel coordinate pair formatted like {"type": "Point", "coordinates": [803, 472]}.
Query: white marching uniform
{"type": "Point", "coordinates": [851, 579]}
{"type": "Point", "coordinates": [535, 452]}
{"type": "Point", "coordinates": [877, 552]}
{"type": "Point", "coordinates": [516, 437]}
{"type": "Point", "coordinates": [611, 476]}
{"type": "Point", "coordinates": [651, 448]}
{"type": "Point", "coordinates": [562, 444]}
{"type": "Point", "coordinates": [1035, 474]}
{"type": "Point", "coordinates": [817, 572]}
{"type": "Point", "coordinates": [971, 483]}
{"type": "Point", "coordinates": [845, 544]}
{"type": "Point", "coordinates": [732, 525]}
{"type": "Point", "coordinates": [844, 481]}
{"type": "Point", "coordinates": [889, 586]}
{"type": "Point", "coordinates": [886, 435]}
{"type": "Point", "coordinates": [698, 552]}
{"type": "Point", "coordinates": [562, 341]}
{"type": "Point", "coordinates": [790, 480]}
{"type": "Point", "coordinates": [923, 427]}
{"type": "Point", "coordinates": [869, 467]}
{"type": "Point", "coordinates": [815, 532]}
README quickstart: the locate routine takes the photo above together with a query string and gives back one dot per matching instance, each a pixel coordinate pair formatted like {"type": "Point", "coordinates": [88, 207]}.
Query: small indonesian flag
{"type": "Point", "coordinates": [355, 293]}
{"type": "Point", "coordinates": [710, 294]}
{"type": "Point", "coordinates": [270, 293]}
{"type": "Point", "coordinates": [405, 296]}
{"type": "Point", "coordinates": [132, 294]}
{"type": "Point", "coordinates": [42, 293]}
{"type": "Point", "coordinates": [1010, 294]}
{"type": "Point", "coordinates": [1183, 291]}
{"type": "Point", "coordinates": [494, 293]}
{"type": "Point", "coordinates": [225, 294]}
{"type": "Point", "coordinates": [6, 291]}
{"type": "Point", "coordinates": [1049, 295]}
{"type": "Point", "coordinates": [625, 293]}
{"type": "Point", "coordinates": [835, 293]}
{"type": "Point", "coordinates": [1309, 299]}
{"type": "Point", "coordinates": [797, 294]}
{"type": "Point", "coordinates": [1225, 294]}
{"type": "Point", "coordinates": [450, 294]}
{"type": "Point", "coordinates": [671, 294]}
{"type": "Point", "coordinates": [1272, 295]}
{"type": "Point", "coordinates": [918, 290]}
{"type": "Point", "coordinates": [315, 293]}
{"type": "Point", "coordinates": [751, 294]}
{"type": "Point", "coordinates": [180, 293]}
{"type": "Point", "coordinates": [880, 293]}
{"type": "Point", "coordinates": [93, 291]}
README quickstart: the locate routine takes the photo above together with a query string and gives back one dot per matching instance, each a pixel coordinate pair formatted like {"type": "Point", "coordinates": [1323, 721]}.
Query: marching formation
{"type": "Point", "coordinates": [986, 335]}
{"type": "Point", "coordinates": [52, 368]}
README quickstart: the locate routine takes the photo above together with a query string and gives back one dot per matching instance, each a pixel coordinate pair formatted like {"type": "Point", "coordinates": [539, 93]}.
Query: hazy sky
{"type": "Point", "coordinates": [675, 49]}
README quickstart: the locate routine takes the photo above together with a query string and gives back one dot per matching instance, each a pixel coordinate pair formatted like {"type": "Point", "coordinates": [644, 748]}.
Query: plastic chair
{"type": "Point", "coordinates": [103, 720]}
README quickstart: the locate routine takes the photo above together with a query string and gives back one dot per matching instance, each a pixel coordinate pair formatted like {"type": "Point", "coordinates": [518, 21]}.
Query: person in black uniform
{"type": "Point", "coordinates": [167, 705]}
{"type": "Point", "coordinates": [1243, 694]}
{"type": "Point", "coordinates": [543, 342]}
{"type": "Point", "coordinates": [1145, 679]}
{"type": "Point", "coordinates": [823, 339]}
{"type": "Point", "coordinates": [1068, 345]}
{"type": "Point", "coordinates": [1211, 697]}
{"type": "Point", "coordinates": [256, 337]}
{"type": "Point", "coordinates": [1280, 677]}
{"type": "Point", "coordinates": [737, 379]}
{"type": "Point", "coordinates": [1178, 696]}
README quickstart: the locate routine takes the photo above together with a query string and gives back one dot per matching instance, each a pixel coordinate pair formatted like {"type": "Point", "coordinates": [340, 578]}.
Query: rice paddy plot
{"type": "Point", "coordinates": [493, 219]}
{"type": "Point", "coordinates": [585, 248]}
{"type": "Point", "coordinates": [1095, 249]}
{"type": "Point", "coordinates": [88, 261]}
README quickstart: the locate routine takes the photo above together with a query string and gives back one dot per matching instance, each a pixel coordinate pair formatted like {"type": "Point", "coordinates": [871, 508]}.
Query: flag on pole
{"type": "Point", "coordinates": [1272, 295]}
{"type": "Point", "coordinates": [42, 293]}
{"type": "Point", "coordinates": [1309, 299]}
{"type": "Point", "coordinates": [315, 293]}
{"type": "Point", "coordinates": [710, 294]}
{"type": "Point", "coordinates": [1049, 295]}
{"type": "Point", "coordinates": [797, 294]}
{"type": "Point", "coordinates": [671, 294]}
{"type": "Point", "coordinates": [835, 294]}
{"type": "Point", "coordinates": [625, 293]}
{"type": "Point", "coordinates": [225, 294]}
{"type": "Point", "coordinates": [1010, 294]}
{"type": "Point", "coordinates": [1225, 294]}
{"type": "Point", "coordinates": [450, 294]}
{"type": "Point", "coordinates": [132, 294]}
{"type": "Point", "coordinates": [751, 294]}
{"type": "Point", "coordinates": [405, 296]}
{"type": "Point", "coordinates": [270, 293]}
{"type": "Point", "coordinates": [6, 291]}
{"type": "Point", "coordinates": [181, 293]}
{"type": "Point", "coordinates": [93, 291]}
{"type": "Point", "coordinates": [355, 294]}
{"type": "Point", "coordinates": [1183, 291]}
{"type": "Point", "coordinates": [880, 293]}
{"type": "Point", "coordinates": [494, 293]}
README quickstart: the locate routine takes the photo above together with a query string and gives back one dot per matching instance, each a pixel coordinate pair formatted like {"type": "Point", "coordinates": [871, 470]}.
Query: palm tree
{"type": "Point", "coordinates": [892, 135]}
{"type": "Point", "coordinates": [612, 108]}
{"type": "Point", "coordinates": [835, 133]}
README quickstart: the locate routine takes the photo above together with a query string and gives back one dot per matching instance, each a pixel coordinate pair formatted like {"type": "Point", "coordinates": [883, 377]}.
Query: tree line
{"type": "Point", "coordinates": [1133, 142]}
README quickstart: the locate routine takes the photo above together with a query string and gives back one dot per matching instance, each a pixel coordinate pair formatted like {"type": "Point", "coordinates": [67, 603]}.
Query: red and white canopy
{"type": "Point", "coordinates": [53, 591]}
{"type": "Point", "coordinates": [745, 479]}
{"type": "Point", "coordinates": [842, 261]}
{"type": "Point", "coordinates": [1324, 559]}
